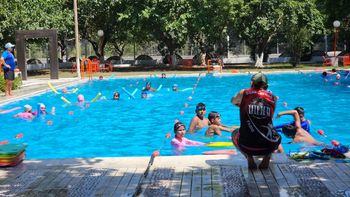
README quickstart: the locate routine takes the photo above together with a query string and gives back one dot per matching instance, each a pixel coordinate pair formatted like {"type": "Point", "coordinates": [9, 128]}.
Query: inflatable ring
{"type": "Point", "coordinates": [234, 71]}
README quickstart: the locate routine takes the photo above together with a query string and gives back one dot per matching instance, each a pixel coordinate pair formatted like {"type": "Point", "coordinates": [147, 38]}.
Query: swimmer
{"type": "Point", "coordinates": [64, 90]}
{"type": "Point", "coordinates": [143, 94]}
{"type": "Point", "coordinates": [175, 89]}
{"type": "Point", "coordinates": [163, 75]}
{"type": "Point", "coordinates": [180, 140]}
{"type": "Point", "coordinates": [81, 99]}
{"type": "Point", "coordinates": [215, 126]}
{"type": "Point", "coordinates": [27, 114]}
{"type": "Point", "coordinates": [198, 121]}
{"type": "Point", "coordinates": [149, 87]}
{"type": "Point", "coordinates": [296, 132]}
{"type": "Point", "coordinates": [42, 110]}
{"type": "Point", "coordinates": [116, 96]}
{"type": "Point", "coordinates": [100, 77]}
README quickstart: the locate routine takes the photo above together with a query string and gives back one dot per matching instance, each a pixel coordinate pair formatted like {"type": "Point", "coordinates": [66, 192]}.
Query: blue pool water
{"type": "Point", "coordinates": [137, 127]}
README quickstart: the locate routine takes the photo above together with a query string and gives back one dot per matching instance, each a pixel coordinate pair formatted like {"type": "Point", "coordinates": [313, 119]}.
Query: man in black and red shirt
{"type": "Point", "coordinates": [256, 135]}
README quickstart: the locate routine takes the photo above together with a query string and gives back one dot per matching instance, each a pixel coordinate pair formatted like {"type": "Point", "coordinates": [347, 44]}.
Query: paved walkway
{"type": "Point", "coordinates": [217, 175]}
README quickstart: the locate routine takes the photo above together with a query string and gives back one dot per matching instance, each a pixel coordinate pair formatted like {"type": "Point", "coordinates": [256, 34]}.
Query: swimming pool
{"type": "Point", "coordinates": [137, 127]}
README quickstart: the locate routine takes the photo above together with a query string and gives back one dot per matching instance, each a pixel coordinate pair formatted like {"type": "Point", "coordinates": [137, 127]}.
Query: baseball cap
{"type": "Point", "coordinates": [259, 78]}
{"type": "Point", "coordinates": [9, 45]}
{"type": "Point", "coordinates": [27, 108]}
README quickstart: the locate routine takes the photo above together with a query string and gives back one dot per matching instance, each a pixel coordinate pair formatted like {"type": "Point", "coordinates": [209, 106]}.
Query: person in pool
{"type": "Point", "coordinates": [296, 131]}
{"type": "Point", "coordinates": [198, 121]}
{"type": "Point", "coordinates": [215, 126]}
{"type": "Point", "coordinates": [305, 124]}
{"type": "Point", "coordinates": [149, 87]}
{"type": "Point", "coordinates": [175, 89]}
{"type": "Point", "coordinates": [42, 110]}
{"type": "Point", "coordinates": [256, 135]}
{"type": "Point", "coordinates": [81, 99]}
{"type": "Point", "coordinates": [144, 95]}
{"type": "Point", "coordinates": [116, 95]}
{"type": "Point", "coordinates": [180, 140]}
{"type": "Point", "coordinates": [27, 114]}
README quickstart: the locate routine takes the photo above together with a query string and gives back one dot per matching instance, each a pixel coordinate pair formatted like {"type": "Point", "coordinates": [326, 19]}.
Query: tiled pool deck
{"type": "Point", "coordinates": [217, 175]}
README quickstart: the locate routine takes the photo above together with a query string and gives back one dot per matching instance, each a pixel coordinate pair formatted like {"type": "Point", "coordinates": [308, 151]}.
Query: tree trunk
{"type": "Point", "coordinates": [259, 60]}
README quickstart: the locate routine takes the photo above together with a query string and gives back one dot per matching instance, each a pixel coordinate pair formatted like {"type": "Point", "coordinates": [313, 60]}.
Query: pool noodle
{"type": "Point", "coordinates": [10, 110]}
{"type": "Point", "coordinates": [134, 92]}
{"type": "Point", "coordinates": [52, 88]}
{"type": "Point", "coordinates": [96, 97]}
{"type": "Point", "coordinates": [160, 87]}
{"type": "Point", "coordinates": [128, 93]}
{"type": "Point", "coordinates": [38, 110]}
{"type": "Point", "coordinates": [65, 100]}
{"type": "Point", "coordinates": [186, 89]}
{"type": "Point", "coordinates": [75, 90]}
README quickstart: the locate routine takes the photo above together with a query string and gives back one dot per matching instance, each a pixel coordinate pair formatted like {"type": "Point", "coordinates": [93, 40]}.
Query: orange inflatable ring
{"type": "Point", "coordinates": [234, 71]}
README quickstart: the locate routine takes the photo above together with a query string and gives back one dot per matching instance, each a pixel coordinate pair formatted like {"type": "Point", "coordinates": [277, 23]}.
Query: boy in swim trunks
{"type": "Point", "coordinates": [216, 127]}
{"type": "Point", "coordinates": [256, 135]}
{"type": "Point", "coordinates": [296, 131]}
{"type": "Point", "coordinates": [198, 121]}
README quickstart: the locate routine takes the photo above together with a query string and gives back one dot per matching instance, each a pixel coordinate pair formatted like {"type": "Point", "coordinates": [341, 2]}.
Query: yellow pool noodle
{"type": "Point", "coordinates": [52, 88]}
{"type": "Point", "coordinates": [65, 100]}
{"type": "Point", "coordinates": [96, 97]}
{"type": "Point", "coordinates": [75, 90]}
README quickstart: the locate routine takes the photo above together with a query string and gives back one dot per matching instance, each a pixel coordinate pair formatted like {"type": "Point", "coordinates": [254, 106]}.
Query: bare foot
{"type": "Point", "coordinates": [251, 163]}
{"type": "Point", "coordinates": [265, 162]}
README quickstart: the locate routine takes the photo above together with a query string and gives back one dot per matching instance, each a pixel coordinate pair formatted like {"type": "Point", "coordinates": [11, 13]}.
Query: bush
{"type": "Point", "coordinates": [16, 83]}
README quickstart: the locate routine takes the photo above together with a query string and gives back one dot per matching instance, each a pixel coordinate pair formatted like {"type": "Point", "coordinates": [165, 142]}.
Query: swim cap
{"type": "Point", "coordinates": [200, 106]}
{"type": "Point", "coordinates": [178, 125]}
{"type": "Point", "coordinates": [42, 105]}
{"type": "Point", "coordinates": [259, 78]}
{"type": "Point", "coordinates": [80, 97]}
{"type": "Point", "coordinates": [27, 108]}
{"type": "Point", "coordinates": [175, 85]}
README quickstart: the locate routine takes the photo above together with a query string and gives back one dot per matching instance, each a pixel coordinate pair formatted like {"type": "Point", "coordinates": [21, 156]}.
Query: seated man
{"type": "Point", "coordinates": [216, 127]}
{"type": "Point", "coordinates": [296, 132]}
{"type": "Point", "coordinates": [198, 121]}
{"type": "Point", "coordinates": [305, 124]}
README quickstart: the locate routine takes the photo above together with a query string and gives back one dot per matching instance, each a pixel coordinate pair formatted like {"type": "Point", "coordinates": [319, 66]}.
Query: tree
{"type": "Point", "coordinates": [16, 15]}
{"type": "Point", "coordinates": [300, 27]}
{"type": "Point", "coordinates": [336, 10]}
{"type": "Point", "coordinates": [208, 23]}
{"type": "Point", "coordinates": [112, 16]}
{"type": "Point", "coordinates": [166, 22]}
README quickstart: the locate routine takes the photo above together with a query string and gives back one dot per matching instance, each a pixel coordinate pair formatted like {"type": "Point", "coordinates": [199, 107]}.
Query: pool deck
{"type": "Point", "coordinates": [198, 175]}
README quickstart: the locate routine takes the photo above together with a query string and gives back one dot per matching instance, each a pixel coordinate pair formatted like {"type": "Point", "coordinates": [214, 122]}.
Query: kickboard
{"type": "Point", "coordinates": [221, 152]}
{"type": "Point", "coordinates": [12, 160]}
{"type": "Point", "coordinates": [220, 144]}
{"type": "Point", "coordinates": [11, 150]}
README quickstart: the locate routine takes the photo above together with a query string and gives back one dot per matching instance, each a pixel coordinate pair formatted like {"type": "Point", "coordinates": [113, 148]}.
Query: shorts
{"type": "Point", "coordinates": [9, 74]}
{"type": "Point", "coordinates": [251, 150]}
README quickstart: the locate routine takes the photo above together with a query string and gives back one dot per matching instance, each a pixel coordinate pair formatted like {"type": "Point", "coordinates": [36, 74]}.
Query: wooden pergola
{"type": "Point", "coordinates": [23, 35]}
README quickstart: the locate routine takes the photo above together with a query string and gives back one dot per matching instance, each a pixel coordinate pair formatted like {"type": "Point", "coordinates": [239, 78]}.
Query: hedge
{"type": "Point", "coordinates": [17, 83]}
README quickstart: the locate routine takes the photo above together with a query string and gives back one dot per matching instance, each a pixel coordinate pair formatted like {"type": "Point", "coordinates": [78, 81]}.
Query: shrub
{"type": "Point", "coordinates": [16, 83]}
